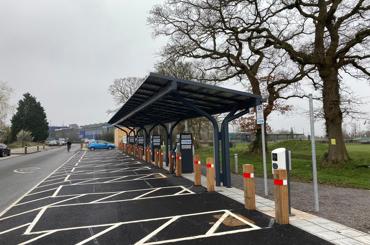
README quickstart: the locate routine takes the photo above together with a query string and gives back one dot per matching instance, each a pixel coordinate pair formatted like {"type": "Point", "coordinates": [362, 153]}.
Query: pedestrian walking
{"type": "Point", "coordinates": [69, 144]}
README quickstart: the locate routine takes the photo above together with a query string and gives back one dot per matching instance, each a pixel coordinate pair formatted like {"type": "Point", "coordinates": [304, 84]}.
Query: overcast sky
{"type": "Point", "coordinates": [67, 53]}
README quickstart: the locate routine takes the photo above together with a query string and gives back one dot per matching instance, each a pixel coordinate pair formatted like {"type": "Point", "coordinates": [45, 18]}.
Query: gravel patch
{"type": "Point", "coordinates": [347, 206]}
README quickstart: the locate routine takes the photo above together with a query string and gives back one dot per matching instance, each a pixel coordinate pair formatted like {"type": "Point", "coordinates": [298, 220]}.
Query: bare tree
{"type": "Point", "coordinates": [5, 107]}
{"type": "Point", "coordinates": [223, 35]}
{"type": "Point", "coordinates": [123, 88]}
{"type": "Point", "coordinates": [188, 71]}
{"type": "Point", "coordinates": [333, 36]}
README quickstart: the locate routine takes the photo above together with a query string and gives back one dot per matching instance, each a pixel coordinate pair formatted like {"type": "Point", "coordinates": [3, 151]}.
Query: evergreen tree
{"type": "Point", "coordinates": [30, 116]}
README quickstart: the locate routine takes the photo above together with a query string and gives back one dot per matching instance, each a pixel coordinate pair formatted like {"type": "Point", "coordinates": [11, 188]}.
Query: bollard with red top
{"type": "Point", "coordinates": [197, 171]}
{"type": "Point", "coordinates": [281, 196]}
{"type": "Point", "coordinates": [249, 187]}
{"type": "Point", "coordinates": [171, 162]}
{"type": "Point", "coordinates": [210, 175]}
{"type": "Point", "coordinates": [178, 164]}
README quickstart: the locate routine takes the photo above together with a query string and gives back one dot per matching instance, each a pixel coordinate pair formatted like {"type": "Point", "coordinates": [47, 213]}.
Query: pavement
{"type": "Point", "coordinates": [106, 197]}
{"type": "Point", "coordinates": [19, 173]}
{"type": "Point", "coordinates": [344, 205]}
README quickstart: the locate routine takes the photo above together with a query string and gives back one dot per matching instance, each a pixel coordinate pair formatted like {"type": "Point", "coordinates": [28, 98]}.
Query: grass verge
{"type": "Point", "coordinates": [354, 173]}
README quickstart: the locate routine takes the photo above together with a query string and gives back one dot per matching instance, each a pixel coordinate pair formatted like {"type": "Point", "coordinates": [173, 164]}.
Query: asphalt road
{"type": "Point", "coordinates": [20, 173]}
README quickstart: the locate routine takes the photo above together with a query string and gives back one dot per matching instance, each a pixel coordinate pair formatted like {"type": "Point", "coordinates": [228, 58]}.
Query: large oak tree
{"type": "Point", "coordinates": [222, 34]}
{"type": "Point", "coordinates": [334, 37]}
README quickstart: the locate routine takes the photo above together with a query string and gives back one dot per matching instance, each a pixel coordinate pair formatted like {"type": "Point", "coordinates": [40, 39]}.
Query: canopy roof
{"type": "Point", "coordinates": [162, 99]}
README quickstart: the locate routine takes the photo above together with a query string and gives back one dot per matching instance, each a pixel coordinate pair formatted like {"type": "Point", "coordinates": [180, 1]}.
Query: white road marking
{"type": "Point", "coordinates": [217, 224]}
{"type": "Point", "coordinates": [36, 238]}
{"type": "Point", "coordinates": [20, 198]}
{"type": "Point", "coordinates": [99, 234]}
{"type": "Point", "coordinates": [57, 191]}
{"type": "Point", "coordinates": [29, 170]}
{"type": "Point", "coordinates": [34, 193]}
{"type": "Point", "coordinates": [147, 193]}
{"type": "Point", "coordinates": [66, 178]}
{"type": "Point", "coordinates": [156, 231]}
{"type": "Point", "coordinates": [35, 209]}
{"type": "Point", "coordinates": [14, 228]}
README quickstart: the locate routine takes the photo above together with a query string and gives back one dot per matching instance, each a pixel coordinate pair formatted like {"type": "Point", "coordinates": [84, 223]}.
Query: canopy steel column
{"type": "Point", "coordinates": [225, 145]}
{"type": "Point", "coordinates": [216, 138]}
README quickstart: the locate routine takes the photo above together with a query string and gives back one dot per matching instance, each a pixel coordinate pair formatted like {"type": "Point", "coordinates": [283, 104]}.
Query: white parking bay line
{"type": "Point", "coordinates": [156, 231]}
{"type": "Point", "coordinates": [99, 234]}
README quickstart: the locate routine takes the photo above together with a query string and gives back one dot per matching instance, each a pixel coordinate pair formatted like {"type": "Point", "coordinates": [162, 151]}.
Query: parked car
{"type": "Point", "coordinates": [100, 144]}
{"type": "Point", "coordinates": [4, 150]}
{"type": "Point", "coordinates": [62, 141]}
{"type": "Point", "coordinates": [52, 142]}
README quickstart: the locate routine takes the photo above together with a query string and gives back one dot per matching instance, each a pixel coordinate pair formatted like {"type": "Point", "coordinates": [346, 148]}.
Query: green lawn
{"type": "Point", "coordinates": [352, 174]}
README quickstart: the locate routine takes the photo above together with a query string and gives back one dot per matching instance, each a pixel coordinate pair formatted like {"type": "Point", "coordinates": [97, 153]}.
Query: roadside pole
{"type": "Point", "coordinates": [313, 146]}
{"type": "Point", "coordinates": [261, 121]}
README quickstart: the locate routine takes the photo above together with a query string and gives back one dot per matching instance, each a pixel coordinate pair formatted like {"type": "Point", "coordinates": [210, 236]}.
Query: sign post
{"type": "Point", "coordinates": [261, 121]}
{"type": "Point", "coordinates": [313, 147]}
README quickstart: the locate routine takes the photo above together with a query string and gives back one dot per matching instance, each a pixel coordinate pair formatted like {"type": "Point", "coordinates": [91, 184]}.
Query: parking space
{"type": "Point", "coordinates": [105, 197]}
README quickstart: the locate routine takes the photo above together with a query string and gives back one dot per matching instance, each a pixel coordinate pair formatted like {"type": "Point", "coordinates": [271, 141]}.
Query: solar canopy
{"type": "Point", "coordinates": [162, 99]}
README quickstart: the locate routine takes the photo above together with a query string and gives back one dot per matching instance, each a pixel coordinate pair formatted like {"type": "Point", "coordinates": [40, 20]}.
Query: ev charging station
{"type": "Point", "coordinates": [281, 160]}
{"type": "Point", "coordinates": [131, 140]}
{"type": "Point", "coordinates": [184, 145]}
{"type": "Point", "coordinates": [155, 143]}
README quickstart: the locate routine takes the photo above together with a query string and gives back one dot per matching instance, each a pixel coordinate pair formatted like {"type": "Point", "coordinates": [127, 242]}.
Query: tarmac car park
{"type": "Point", "coordinates": [106, 197]}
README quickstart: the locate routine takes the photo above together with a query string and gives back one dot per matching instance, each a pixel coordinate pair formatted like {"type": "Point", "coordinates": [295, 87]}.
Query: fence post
{"type": "Point", "coordinates": [249, 187]}
{"type": "Point", "coordinates": [281, 196]}
{"type": "Point", "coordinates": [210, 175]}
{"type": "Point", "coordinates": [197, 171]}
{"type": "Point", "coordinates": [178, 164]}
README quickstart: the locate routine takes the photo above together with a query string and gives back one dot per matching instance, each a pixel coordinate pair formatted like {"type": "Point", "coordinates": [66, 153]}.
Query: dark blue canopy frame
{"type": "Point", "coordinates": [161, 99]}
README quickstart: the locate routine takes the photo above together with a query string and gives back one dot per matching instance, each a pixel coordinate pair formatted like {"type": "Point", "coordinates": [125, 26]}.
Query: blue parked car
{"type": "Point", "coordinates": [100, 144]}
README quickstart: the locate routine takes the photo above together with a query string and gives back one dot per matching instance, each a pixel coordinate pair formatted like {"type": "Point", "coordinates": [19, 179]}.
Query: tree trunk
{"type": "Point", "coordinates": [337, 152]}
{"type": "Point", "coordinates": [256, 145]}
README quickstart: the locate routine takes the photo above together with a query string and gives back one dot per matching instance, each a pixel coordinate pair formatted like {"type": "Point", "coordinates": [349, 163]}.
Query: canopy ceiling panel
{"type": "Point", "coordinates": [162, 99]}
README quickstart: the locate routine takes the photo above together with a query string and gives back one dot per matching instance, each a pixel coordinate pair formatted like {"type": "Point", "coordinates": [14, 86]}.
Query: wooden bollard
{"type": "Point", "coordinates": [178, 164]}
{"type": "Point", "coordinates": [157, 163]}
{"type": "Point", "coordinates": [281, 197]}
{"type": "Point", "coordinates": [140, 154]}
{"type": "Point", "coordinates": [171, 158]}
{"type": "Point", "coordinates": [249, 187]}
{"type": "Point", "coordinates": [210, 175]}
{"type": "Point", "coordinates": [160, 158]}
{"type": "Point", "coordinates": [43, 146]}
{"type": "Point", "coordinates": [197, 171]}
{"type": "Point", "coordinates": [38, 148]}
{"type": "Point", "coordinates": [25, 150]}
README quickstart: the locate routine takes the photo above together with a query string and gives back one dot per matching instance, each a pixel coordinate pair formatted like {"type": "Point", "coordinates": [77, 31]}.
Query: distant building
{"type": "Point", "coordinates": [96, 131]}
{"type": "Point", "coordinates": [76, 133]}
{"type": "Point", "coordinates": [53, 129]}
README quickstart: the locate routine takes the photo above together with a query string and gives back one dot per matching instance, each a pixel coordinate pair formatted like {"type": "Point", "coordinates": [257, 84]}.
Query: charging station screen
{"type": "Point", "coordinates": [274, 157]}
